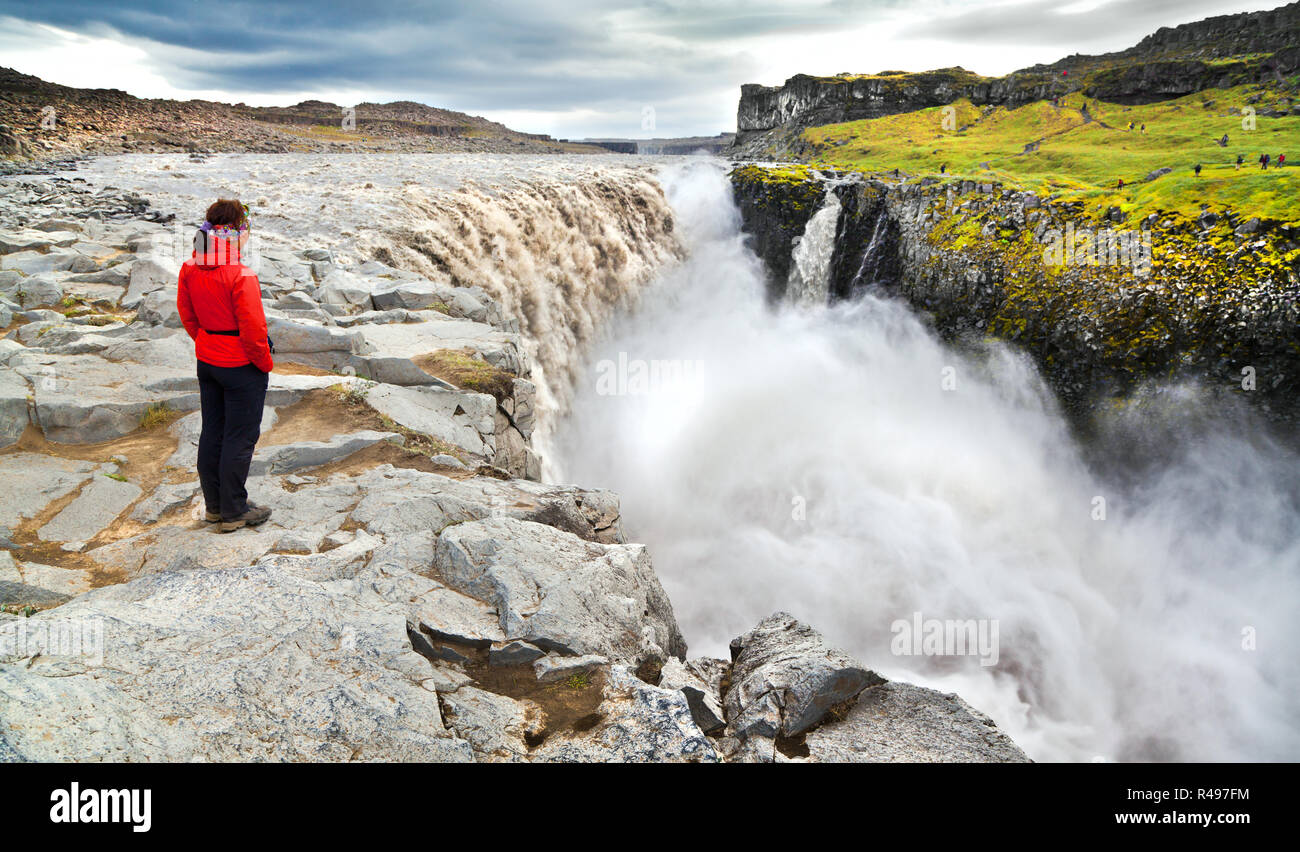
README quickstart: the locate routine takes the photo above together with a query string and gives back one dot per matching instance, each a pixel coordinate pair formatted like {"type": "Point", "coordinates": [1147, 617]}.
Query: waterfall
{"type": "Point", "coordinates": [840, 463]}
{"type": "Point", "coordinates": [810, 267]}
{"type": "Point", "coordinates": [560, 255]}
{"type": "Point", "coordinates": [872, 255]}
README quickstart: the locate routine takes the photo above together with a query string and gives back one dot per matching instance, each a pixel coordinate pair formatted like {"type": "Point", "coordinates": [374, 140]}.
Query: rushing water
{"type": "Point", "coordinates": [842, 464]}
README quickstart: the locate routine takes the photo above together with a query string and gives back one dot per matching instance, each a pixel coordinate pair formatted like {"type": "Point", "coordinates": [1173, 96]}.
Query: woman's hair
{"type": "Point", "coordinates": [227, 211]}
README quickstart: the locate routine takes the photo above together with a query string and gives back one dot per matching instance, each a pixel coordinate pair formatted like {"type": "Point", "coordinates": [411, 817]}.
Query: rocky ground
{"type": "Point", "coordinates": [417, 595]}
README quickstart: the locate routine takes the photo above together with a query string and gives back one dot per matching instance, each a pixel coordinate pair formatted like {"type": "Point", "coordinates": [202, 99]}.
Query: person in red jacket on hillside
{"type": "Point", "coordinates": [220, 303]}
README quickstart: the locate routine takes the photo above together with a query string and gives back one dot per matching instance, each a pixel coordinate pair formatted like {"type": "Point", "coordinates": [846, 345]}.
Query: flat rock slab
{"type": "Point", "coordinates": [68, 582]}
{"type": "Point", "coordinates": [462, 419]}
{"type": "Point", "coordinates": [165, 498]}
{"type": "Point", "coordinates": [13, 406]}
{"type": "Point", "coordinates": [33, 481]}
{"type": "Point", "coordinates": [899, 722]}
{"type": "Point", "coordinates": [86, 399]}
{"type": "Point", "coordinates": [553, 668]}
{"type": "Point", "coordinates": [249, 664]}
{"type": "Point", "coordinates": [283, 458]}
{"type": "Point", "coordinates": [300, 520]}
{"type": "Point", "coordinates": [98, 505]}
{"type": "Point", "coordinates": [410, 340]}
{"type": "Point", "coordinates": [189, 548]}
{"type": "Point", "coordinates": [398, 501]}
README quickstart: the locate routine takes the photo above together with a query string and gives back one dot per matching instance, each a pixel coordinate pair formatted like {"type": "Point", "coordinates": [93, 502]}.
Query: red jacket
{"type": "Point", "coordinates": [219, 293]}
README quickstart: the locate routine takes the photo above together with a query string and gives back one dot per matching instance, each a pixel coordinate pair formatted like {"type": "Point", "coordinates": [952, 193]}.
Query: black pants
{"type": "Point", "coordinates": [232, 400]}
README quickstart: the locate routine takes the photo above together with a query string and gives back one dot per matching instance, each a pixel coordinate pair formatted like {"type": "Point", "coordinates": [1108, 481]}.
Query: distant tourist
{"type": "Point", "coordinates": [1263, 161]}
{"type": "Point", "coordinates": [1144, 128]}
{"type": "Point", "coordinates": [1240, 159]}
{"type": "Point", "coordinates": [1198, 169]}
{"type": "Point", "coordinates": [943, 169]}
{"type": "Point", "coordinates": [1121, 184]}
{"type": "Point", "coordinates": [1223, 141]}
{"type": "Point", "coordinates": [1281, 159]}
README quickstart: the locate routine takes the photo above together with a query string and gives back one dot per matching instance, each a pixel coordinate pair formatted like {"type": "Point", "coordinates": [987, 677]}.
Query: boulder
{"type": "Point", "coordinates": [513, 653]}
{"type": "Point", "coordinates": [411, 295]}
{"type": "Point", "coordinates": [33, 291]}
{"type": "Point", "coordinates": [306, 337]}
{"type": "Point", "coordinates": [785, 679]}
{"type": "Point", "coordinates": [342, 288]}
{"type": "Point", "coordinates": [159, 308]}
{"type": "Point", "coordinates": [703, 697]}
{"type": "Point", "coordinates": [296, 301]}
{"type": "Point", "coordinates": [562, 593]}
{"type": "Point", "coordinates": [148, 273]}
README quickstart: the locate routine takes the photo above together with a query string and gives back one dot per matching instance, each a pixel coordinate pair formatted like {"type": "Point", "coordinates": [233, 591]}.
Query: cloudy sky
{"type": "Point", "coordinates": [573, 69]}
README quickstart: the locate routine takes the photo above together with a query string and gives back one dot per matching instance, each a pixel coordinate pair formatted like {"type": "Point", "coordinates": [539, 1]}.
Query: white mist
{"type": "Point", "coordinates": [817, 464]}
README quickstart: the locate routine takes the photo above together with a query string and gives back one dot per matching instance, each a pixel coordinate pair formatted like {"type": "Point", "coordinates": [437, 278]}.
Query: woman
{"type": "Point", "coordinates": [220, 303]}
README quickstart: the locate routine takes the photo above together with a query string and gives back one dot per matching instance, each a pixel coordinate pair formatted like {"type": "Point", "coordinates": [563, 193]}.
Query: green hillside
{"type": "Point", "coordinates": [1061, 149]}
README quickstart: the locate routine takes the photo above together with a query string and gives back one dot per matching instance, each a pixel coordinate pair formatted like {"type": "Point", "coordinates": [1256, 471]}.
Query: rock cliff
{"type": "Point", "coordinates": [1102, 306]}
{"type": "Point", "coordinates": [1172, 62]}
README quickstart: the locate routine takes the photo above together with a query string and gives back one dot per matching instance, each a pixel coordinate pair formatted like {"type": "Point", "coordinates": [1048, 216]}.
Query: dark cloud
{"type": "Point", "coordinates": [1116, 25]}
{"type": "Point", "coordinates": [492, 54]}
{"type": "Point", "coordinates": [553, 58]}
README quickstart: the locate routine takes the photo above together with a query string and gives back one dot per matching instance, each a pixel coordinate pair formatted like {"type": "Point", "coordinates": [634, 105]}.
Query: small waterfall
{"type": "Point", "coordinates": [810, 268]}
{"type": "Point", "coordinates": [872, 257]}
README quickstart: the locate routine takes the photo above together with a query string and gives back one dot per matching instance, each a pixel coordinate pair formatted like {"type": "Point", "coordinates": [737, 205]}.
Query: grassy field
{"type": "Point", "coordinates": [1082, 156]}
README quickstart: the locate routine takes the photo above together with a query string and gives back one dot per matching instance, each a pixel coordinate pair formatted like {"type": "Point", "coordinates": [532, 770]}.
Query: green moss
{"type": "Point", "coordinates": [1082, 156]}
{"type": "Point", "coordinates": [1206, 298]}
{"type": "Point", "coordinates": [464, 369]}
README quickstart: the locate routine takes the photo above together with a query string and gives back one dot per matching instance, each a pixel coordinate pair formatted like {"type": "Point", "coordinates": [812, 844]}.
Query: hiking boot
{"type": "Point", "coordinates": [251, 518]}
{"type": "Point", "coordinates": [212, 517]}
